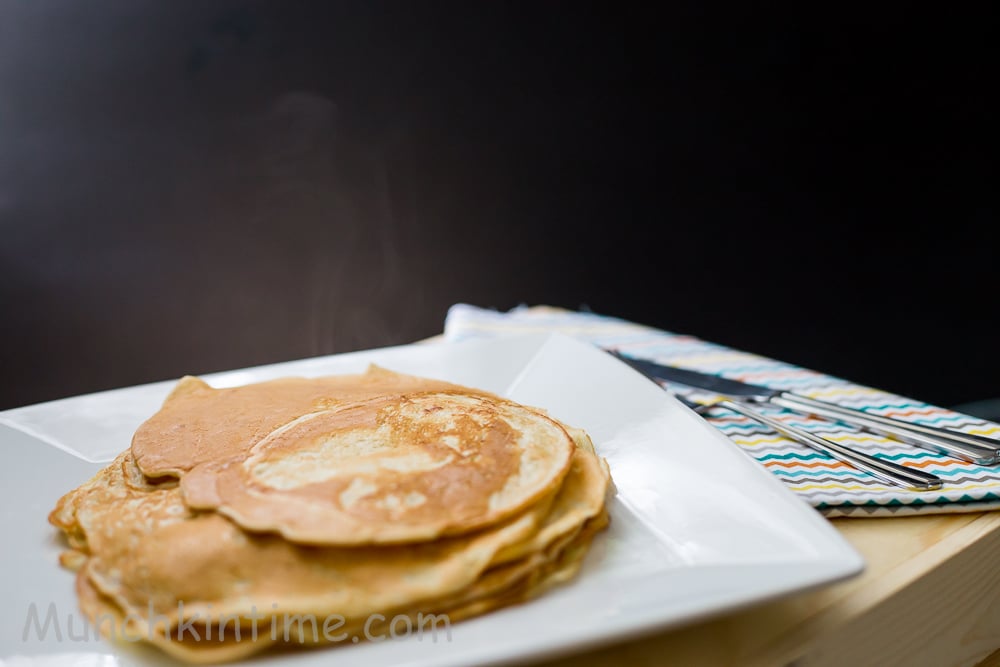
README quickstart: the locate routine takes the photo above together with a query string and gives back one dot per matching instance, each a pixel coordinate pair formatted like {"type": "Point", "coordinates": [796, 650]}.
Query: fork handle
{"type": "Point", "coordinates": [887, 471]}
{"type": "Point", "coordinates": [965, 446]}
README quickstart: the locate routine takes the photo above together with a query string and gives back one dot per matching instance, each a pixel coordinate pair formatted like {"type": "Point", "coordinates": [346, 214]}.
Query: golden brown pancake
{"type": "Point", "coordinates": [214, 643]}
{"type": "Point", "coordinates": [386, 458]}
{"type": "Point", "coordinates": [149, 552]}
{"type": "Point", "coordinates": [213, 646]}
{"type": "Point", "coordinates": [581, 498]}
{"type": "Point", "coordinates": [389, 470]}
{"type": "Point", "coordinates": [198, 424]}
{"type": "Point", "coordinates": [112, 623]}
{"type": "Point", "coordinates": [555, 571]}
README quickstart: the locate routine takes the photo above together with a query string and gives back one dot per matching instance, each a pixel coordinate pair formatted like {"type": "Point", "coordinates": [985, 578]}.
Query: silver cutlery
{"type": "Point", "coordinates": [964, 446]}
{"type": "Point", "coordinates": [887, 471]}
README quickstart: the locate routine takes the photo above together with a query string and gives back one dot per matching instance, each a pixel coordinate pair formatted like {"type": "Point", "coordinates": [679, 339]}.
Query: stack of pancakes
{"type": "Point", "coordinates": [352, 501]}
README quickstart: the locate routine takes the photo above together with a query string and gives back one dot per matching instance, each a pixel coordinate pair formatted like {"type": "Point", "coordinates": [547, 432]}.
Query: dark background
{"type": "Point", "coordinates": [193, 186]}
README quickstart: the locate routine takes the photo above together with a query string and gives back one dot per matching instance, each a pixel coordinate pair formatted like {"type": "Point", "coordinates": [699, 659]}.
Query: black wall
{"type": "Point", "coordinates": [191, 186]}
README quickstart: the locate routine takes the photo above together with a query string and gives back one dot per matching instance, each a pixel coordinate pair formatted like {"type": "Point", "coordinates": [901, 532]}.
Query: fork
{"type": "Point", "coordinates": [887, 471]}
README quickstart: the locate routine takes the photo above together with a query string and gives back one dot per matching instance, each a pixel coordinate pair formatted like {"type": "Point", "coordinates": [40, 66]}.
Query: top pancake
{"type": "Point", "coordinates": [352, 460]}
{"type": "Point", "coordinates": [198, 424]}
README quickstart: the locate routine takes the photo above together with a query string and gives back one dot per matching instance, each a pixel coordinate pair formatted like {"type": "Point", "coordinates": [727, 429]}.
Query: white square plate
{"type": "Point", "coordinates": [697, 527]}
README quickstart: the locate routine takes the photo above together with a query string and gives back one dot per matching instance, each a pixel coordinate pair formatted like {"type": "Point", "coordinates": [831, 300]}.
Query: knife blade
{"type": "Point", "coordinates": [964, 446]}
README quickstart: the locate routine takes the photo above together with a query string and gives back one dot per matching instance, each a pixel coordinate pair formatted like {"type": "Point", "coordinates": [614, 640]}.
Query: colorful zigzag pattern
{"type": "Point", "coordinates": [832, 487]}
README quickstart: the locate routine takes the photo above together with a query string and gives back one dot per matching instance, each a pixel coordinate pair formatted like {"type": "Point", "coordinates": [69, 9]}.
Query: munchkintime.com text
{"type": "Point", "coordinates": [49, 623]}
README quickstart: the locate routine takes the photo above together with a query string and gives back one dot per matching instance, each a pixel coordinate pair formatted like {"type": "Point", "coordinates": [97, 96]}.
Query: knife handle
{"type": "Point", "coordinates": [887, 471]}
{"type": "Point", "coordinates": [967, 447]}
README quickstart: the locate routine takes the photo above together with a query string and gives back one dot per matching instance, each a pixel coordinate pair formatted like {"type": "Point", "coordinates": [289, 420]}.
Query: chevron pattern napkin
{"type": "Point", "coordinates": [832, 487]}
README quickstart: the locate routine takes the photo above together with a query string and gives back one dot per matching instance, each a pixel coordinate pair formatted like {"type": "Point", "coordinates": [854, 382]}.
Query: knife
{"type": "Point", "coordinates": [964, 446]}
{"type": "Point", "coordinates": [887, 471]}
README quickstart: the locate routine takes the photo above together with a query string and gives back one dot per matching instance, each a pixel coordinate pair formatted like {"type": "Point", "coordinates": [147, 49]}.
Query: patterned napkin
{"type": "Point", "coordinates": [833, 487]}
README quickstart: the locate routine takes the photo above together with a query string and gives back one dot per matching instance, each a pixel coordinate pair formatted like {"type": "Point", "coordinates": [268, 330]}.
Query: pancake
{"type": "Point", "coordinates": [153, 555]}
{"type": "Point", "coordinates": [403, 465]}
{"type": "Point", "coordinates": [504, 585]}
{"type": "Point", "coordinates": [198, 424]}
{"type": "Point", "coordinates": [389, 471]}
{"type": "Point", "coordinates": [112, 623]}
{"type": "Point", "coordinates": [581, 498]}
{"type": "Point", "coordinates": [554, 572]}
{"type": "Point", "coordinates": [213, 646]}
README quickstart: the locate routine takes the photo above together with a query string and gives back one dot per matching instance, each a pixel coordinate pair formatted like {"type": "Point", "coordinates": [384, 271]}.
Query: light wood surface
{"type": "Point", "coordinates": [929, 596]}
